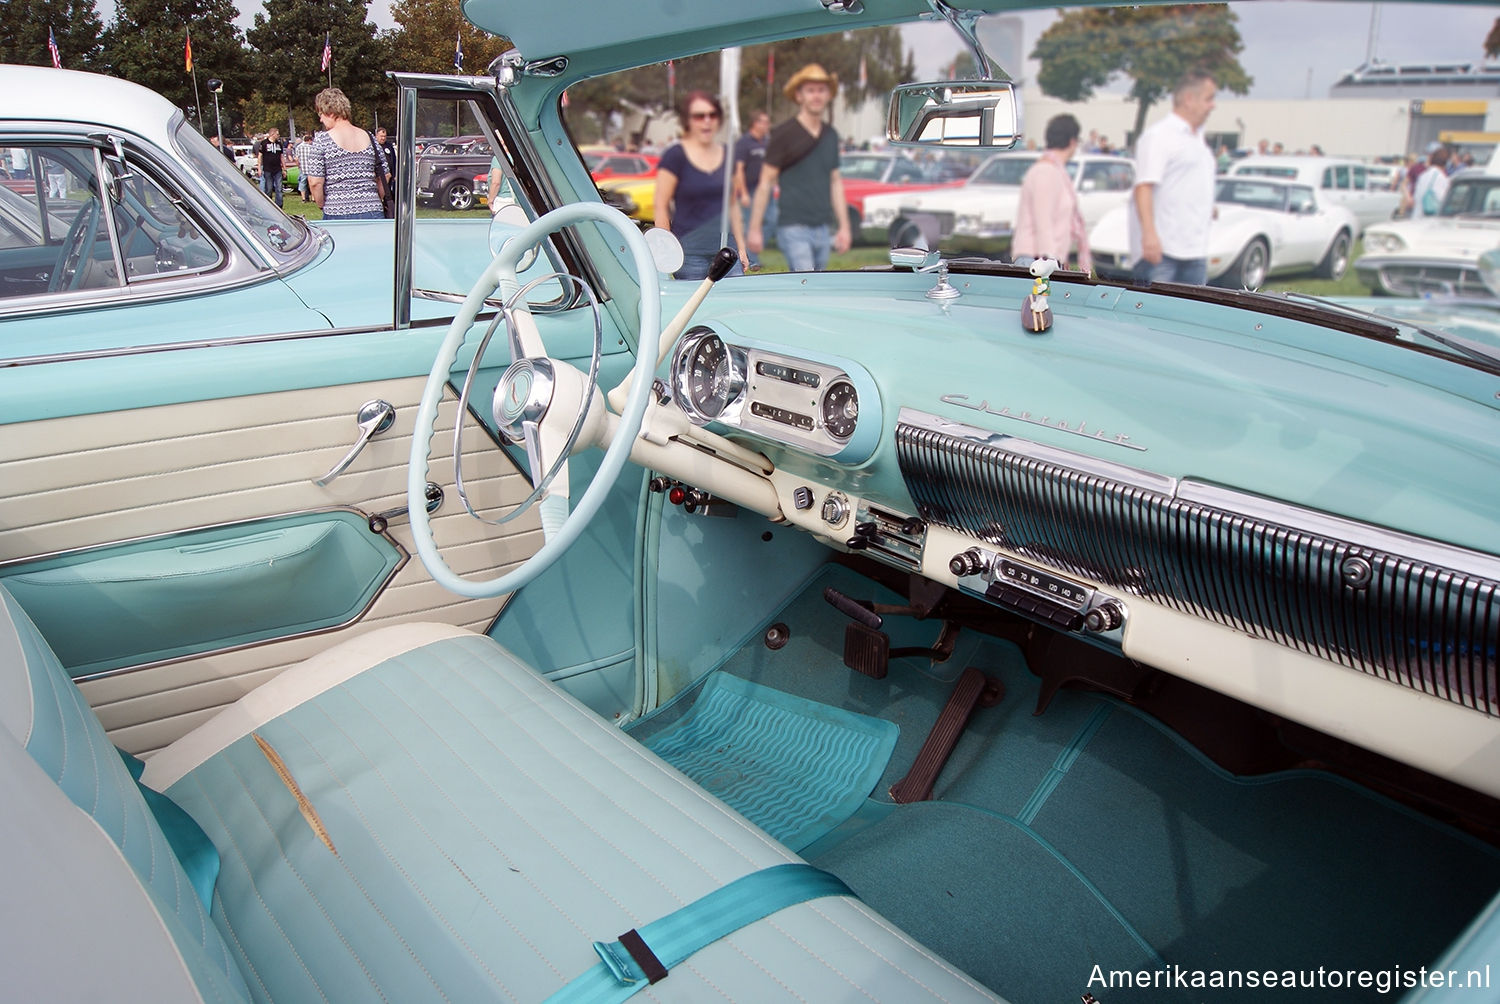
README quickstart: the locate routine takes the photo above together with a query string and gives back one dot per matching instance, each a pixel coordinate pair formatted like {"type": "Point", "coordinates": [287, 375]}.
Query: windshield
{"type": "Point", "coordinates": [1343, 106]}
{"type": "Point", "coordinates": [276, 232]}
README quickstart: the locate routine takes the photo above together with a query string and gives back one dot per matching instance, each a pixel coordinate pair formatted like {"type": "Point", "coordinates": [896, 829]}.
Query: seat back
{"type": "Point", "coordinates": [44, 714]}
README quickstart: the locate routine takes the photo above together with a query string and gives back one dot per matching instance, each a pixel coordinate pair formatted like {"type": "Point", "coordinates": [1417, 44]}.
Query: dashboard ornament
{"type": "Point", "coordinates": [1036, 311]}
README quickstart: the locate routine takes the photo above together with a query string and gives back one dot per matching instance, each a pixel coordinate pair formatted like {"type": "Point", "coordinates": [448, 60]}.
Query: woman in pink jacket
{"type": "Point", "coordinates": [1048, 221]}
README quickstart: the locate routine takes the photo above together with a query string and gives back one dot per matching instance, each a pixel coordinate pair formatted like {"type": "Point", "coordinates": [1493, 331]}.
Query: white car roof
{"type": "Point", "coordinates": [1308, 166]}
{"type": "Point", "coordinates": [43, 94]}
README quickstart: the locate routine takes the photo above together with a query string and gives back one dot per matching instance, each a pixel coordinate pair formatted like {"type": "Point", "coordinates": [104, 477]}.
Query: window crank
{"type": "Point", "coordinates": [381, 520]}
{"type": "Point", "coordinates": [374, 417]}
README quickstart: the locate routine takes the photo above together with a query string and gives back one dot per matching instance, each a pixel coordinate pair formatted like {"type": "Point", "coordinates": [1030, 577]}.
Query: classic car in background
{"type": "Point", "coordinates": [868, 173]}
{"type": "Point", "coordinates": [608, 163]}
{"type": "Point", "coordinates": [476, 633]}
{"type": "Point", "coordinates": [1337, 181]}
{"type": "Point", "coordinates": [1260, 228]}
{"type": "Point", "coordinates": [1437, 254]}
{"type": "Point", "coordinates": [446, 170]}
{"type": "Point", "coordinates": [634, 190]}
{"type": "Point", "coordinates": [979, 216]}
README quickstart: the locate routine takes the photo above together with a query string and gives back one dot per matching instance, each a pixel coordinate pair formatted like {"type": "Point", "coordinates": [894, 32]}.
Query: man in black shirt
{"type": "Point", "coordinates": [268, 156]}
{"type": "Point", "coordinates": [749, 157]}
{"type": "Point", "coordinates": [388, 147]}
{"type": "Point", "coordinates": [803, 156]}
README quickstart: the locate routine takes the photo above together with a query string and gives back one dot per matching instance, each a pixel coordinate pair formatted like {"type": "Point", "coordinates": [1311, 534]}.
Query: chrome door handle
{"type": "Point", "coordinates": [374, 417]}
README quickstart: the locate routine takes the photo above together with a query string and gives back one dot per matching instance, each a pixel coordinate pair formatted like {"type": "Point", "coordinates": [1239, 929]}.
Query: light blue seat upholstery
{"type": "Point", "coordinates": [482, 830]}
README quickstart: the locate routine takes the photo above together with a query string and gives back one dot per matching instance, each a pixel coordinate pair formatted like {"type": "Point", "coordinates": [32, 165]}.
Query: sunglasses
{"type": "Point", "coordinates": [696, 116]}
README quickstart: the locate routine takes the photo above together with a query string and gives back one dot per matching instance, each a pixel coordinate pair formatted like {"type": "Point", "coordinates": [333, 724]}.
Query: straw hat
{"type": "Point", "coordinates": [812, 73]}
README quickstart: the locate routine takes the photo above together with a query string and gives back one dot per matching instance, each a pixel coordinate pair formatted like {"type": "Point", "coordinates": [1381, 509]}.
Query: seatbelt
{"type": "Point", "coordinates": [646, 955]}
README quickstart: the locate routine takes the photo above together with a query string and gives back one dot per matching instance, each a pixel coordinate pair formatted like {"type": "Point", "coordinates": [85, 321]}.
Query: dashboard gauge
{"type": "Point", "coordinates": [840, 410]}
{"type": "Point", "coordinates": [708, 375]}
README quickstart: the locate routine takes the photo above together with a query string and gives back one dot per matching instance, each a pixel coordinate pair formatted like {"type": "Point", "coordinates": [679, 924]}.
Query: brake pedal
{"type": "Point", "coordinates": [867, 651]}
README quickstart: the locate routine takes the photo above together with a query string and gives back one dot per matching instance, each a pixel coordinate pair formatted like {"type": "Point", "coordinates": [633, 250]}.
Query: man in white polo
{"type": "Point", "coordinates": [1173, 201]}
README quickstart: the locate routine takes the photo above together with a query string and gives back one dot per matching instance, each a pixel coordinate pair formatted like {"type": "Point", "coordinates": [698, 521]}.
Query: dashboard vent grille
{"type": "Point", "coordinates": [1416, 622]}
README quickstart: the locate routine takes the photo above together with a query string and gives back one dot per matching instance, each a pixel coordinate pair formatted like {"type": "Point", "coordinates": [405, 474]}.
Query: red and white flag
{"type": "Point", "coordinates": [327, 52]}
{"type": "Point", "coordinates": [52, 48]}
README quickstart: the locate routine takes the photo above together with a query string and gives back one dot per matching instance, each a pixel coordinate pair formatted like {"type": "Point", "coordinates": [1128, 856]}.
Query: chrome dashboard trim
{"type": "Point", "coordinates": [1410, 610]}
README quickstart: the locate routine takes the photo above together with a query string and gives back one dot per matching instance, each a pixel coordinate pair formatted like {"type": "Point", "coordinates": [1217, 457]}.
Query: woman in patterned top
{"type": "Point", "coordinates": [343, 163]}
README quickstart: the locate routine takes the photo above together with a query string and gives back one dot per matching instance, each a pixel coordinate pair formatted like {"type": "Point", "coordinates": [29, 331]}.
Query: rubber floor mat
{"type": "Point", "coordinates": [793, 767]}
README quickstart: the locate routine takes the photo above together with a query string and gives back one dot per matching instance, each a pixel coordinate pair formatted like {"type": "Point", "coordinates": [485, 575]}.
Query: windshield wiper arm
{"type": "Point", "coordinates": [1464, 346]}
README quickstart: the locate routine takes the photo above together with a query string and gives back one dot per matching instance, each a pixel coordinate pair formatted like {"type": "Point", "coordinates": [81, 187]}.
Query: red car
{"type": "Point", "coordinates": [617, 164]}
{"type": "Point", "coordinates": [877, 172]}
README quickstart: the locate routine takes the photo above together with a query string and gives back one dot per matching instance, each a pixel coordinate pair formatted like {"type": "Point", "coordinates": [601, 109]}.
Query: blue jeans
{"type": "Point", "coordinates": [806, 248]}
{"type": "Point", "coordinates": [695, 265]}
{"type": "Point", "coordinates": [1188, 270]}
{"type": "Point", "coordinates": [270, 183]}
{"type": "Point", "coordinates": [373, 215]}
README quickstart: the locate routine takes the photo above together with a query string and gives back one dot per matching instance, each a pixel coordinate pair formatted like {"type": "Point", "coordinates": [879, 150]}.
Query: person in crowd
{"type": "Point", "coordinates": [802, 158]}
{"type": "Point", "coordinates": [268, 153]}
{"type": "Point", "coordinates": [222, 149]}
{"type": "Point", "coordinates": [303, 149]}
{"type": "Point", "coordinates": [749, 157]}
{"type": "Point", "coordinates": [1431, 185]}
{"type": "Point", "coordinates": [345, 167]}
{"type": "Point", "coordinates": [690, 185]}
{"type": "Point", "coordinates": [1172, 204]}
{"type": "Point", "coordinates": [388, 150]}
{"type": "Point", "coordinates": [1049, 223]}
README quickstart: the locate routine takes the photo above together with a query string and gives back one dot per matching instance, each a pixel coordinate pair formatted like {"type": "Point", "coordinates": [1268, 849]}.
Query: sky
{"type": "Point", "coordinates": [1321, 39]}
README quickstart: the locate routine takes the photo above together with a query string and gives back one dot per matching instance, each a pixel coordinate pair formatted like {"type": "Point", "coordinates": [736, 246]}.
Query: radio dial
{"type": "Point", "coordinates": [1105, 617]}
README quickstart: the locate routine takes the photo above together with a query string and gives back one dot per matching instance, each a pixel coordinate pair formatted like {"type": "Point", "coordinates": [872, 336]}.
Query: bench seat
{"type": "Point", "coordinates": [417, 815]}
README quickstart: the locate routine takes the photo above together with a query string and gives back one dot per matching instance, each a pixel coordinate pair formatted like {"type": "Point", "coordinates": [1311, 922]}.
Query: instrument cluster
{"type": "Point", "coordinates": [812, 405]}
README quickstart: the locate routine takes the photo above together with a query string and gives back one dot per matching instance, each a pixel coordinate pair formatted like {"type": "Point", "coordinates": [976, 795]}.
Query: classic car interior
{"type": "Point", "coordinates": [826, 637]}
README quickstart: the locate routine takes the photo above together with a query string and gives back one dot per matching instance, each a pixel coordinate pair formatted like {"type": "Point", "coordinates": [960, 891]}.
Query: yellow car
{"type": "Point", "coordinates": [642, 191]}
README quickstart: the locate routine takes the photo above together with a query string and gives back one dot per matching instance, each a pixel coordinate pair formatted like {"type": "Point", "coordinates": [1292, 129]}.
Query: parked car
{"type": "Point", "coordinates": [1260, 228]}
{"type": "Point", "coordinates": [640, 190]}
{"type": "Point", "coordinates": [979, 216]}
{"type": "Point", "coordinates": [867, 173]}
{"type": "Point", "coordinates": [244, 159]}
{"type": "Point", "coordinates": [446, 171]}
{"type": "Point", "coordinates": [876, 633]}
{"type": "Point", "coordinates": [1336, 180]}
{"type": "Point", "coordinates": [606, 163]}
{"type": "Point", "coordinates": [1437, 254]}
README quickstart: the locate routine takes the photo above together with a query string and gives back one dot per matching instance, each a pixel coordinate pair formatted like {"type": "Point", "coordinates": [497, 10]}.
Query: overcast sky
{"type": "Point", "coordinates": [1292, 49]}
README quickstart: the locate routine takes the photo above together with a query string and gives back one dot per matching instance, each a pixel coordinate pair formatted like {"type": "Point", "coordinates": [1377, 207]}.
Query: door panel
{"type": "Point", "coordinates": [96, 479]}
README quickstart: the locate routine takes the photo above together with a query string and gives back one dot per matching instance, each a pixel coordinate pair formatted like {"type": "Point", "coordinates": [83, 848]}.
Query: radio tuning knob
{"type": "Point", "coordinates": [1105, 617]}
{"type": "Point", "coordinates": [969, 562]}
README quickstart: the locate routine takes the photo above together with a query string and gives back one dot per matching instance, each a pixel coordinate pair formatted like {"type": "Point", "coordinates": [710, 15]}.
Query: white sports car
{"type": "Point", "coordinates": [1437, 254]}
{"type": "Point", "coordinates": [979, 216]}
{"type": "Point", "coordinates": [1261, 227]}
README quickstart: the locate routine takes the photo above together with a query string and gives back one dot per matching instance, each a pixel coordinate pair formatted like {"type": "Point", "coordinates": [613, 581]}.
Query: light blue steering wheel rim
{"type": "Point", "coordinates": [501, 273]}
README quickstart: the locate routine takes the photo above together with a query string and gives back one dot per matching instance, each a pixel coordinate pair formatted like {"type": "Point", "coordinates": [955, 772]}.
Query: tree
{"type": "Point", "coordinates": [426, 35]}
{"type": "Point", "coordinates": [288, 53]}
{"type": "Point", "coordinates": [145, 44]}
{"type": "Point", "coordinates": [1492, 41]}
{"type": "Point", "coordinates": [1154, 46]}
{"type": "Point", "coordinates": [74, 23]}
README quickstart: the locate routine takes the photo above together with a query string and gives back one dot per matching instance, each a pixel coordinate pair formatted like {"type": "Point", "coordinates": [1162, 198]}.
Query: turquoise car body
{"type": "Point", "coordinates": [1221, 476]}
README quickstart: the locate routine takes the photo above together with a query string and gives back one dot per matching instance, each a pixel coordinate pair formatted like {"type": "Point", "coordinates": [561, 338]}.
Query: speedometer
{"type": "Point", "coordinates": [707, 375]}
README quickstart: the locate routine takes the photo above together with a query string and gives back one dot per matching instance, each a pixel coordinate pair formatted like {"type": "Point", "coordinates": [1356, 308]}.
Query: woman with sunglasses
{"type": "Point", "coordinates": [690, 187]}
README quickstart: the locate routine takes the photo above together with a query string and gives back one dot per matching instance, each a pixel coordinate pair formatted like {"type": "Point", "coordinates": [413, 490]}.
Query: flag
{"type": "Point", "coordinates": [458, 53]}
{"type": "Point", "coordinates": [327, 52]}
{"type": "Point", "coordinates": [187, 54]}
{"type": "Point", "coordinates": [52, 48]}
{"type": "Point", "coordinates": [863, 78]}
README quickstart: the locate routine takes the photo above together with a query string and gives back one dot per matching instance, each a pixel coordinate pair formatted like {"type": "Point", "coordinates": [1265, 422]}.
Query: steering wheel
{"type": "Point", "coordinates": [67, 271]}
{"type": "Point", "coordinates": [542, 397]}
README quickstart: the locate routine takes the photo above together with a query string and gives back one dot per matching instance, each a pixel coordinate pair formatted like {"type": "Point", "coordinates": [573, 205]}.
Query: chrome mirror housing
{"type": "Point", "coordinates": [973, 114]}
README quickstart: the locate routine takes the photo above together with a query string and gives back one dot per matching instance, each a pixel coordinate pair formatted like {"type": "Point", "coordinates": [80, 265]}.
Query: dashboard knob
{"type": "Point", "coordinates": [969, 562]}
{"type": "Point", "coordinates": [835, 509]}
{"type": "Point", "coordinates": [1105, 617]}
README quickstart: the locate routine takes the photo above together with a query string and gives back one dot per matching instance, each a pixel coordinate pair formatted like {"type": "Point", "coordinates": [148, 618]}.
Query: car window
{"type": "Point", "coordinates": [1361, 180]}
{"type": "Point", "coordinates": [1107, 176]}
{"type": "Point", "coordinates": [270, 227]}
{"type": "Point", "coordinates": [904, 171]}
{"type": "Point", "coordinates": [157, 236]}
{"type": "Point", "coordinates": [1268, 171]}
{"type": "Point", "coordinates": [59, 236]}
{"type": "Point", "coordinates": [1300, 199]}
{"type": "Point", "coordinates": [1006, 170]}
{"type": "Point", "coordinates": [863, 168]}
{"type": "Point", "coordinates": [1341, 176]}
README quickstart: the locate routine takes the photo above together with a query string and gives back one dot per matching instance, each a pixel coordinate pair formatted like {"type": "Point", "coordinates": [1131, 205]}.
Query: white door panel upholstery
{"type": "Point", "coordinates": [97, 479]}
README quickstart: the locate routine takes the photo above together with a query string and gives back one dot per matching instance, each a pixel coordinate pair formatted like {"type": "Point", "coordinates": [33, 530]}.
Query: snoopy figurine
{"type": "Point", "coordinates": [1036, 315]}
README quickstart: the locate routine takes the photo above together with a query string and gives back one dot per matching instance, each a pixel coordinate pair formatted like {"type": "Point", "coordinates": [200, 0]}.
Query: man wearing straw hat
{"type": "Point", "coordinates": [802, 156]}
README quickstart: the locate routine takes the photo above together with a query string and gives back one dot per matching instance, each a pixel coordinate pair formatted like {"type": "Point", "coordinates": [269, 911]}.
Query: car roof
{"type": "Point", "coordinates": [45, 94]}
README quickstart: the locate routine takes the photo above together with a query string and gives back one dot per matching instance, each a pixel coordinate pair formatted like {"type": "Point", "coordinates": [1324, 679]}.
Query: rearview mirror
{"type": "Point", "coordinates": [976, 114]}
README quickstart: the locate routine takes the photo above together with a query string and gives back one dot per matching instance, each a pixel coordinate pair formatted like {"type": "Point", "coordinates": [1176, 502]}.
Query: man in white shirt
{"type": "Point", "coordinates": [1172, 205]}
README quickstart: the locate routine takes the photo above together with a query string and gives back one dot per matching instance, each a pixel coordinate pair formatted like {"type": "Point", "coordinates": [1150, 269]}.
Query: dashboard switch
{"type": "Point", "coordinates": [969, 562]}
{"type": "Point", "coordinates": [802, 498]}
{"type": "Point", "coordinates": [836, 509]}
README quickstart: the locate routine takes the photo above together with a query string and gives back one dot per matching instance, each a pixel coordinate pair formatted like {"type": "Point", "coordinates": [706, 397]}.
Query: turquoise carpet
{"type": "Point", "coordinates": [795, 768]}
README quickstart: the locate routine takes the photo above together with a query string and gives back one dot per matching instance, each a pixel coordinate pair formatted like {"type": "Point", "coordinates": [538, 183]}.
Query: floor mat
{"type": "Point", "coordinates": [793, 767]}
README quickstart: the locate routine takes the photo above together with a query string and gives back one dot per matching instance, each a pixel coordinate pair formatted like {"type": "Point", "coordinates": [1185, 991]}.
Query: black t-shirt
{"type": "Point", "coordinates": [389, 149]}
{"type": "Point", "coordinates": [269, 151]}
{"type": "Point", "coordinates": [752, 153]}
{"type": "Point", "coordinates": [804, 195]}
